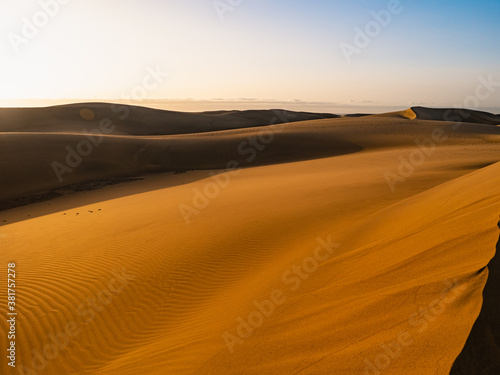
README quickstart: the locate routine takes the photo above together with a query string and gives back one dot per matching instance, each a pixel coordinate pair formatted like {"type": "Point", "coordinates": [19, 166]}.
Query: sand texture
{"type": "Point", "coordinates": [252, 242]}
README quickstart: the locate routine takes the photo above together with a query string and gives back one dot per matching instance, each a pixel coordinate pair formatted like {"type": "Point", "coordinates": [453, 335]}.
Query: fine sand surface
{"type": "Point", "coordinates": [344, 245]}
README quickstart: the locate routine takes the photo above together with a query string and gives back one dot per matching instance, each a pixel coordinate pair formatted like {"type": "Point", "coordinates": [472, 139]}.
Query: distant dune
{"type": "Point", "coordinates": [456, 115]}
{"type": "Point", "coordinates": [251, 242]}
{"type": "Point", "coordinates": [133, 120]}
{"type": "Point", "coordinates": [46, 148]}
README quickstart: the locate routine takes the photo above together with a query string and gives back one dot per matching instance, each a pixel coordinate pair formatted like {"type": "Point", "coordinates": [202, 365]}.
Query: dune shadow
{"type": "Point", "coordinates": [48, 199]}
{"type": "Point", "coordinates": [481, 353]}
{"type": "Point", "coordinates": [190, 165]}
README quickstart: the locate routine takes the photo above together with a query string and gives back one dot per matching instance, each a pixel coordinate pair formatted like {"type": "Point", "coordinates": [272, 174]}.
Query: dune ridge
{"type": "Point", "coordinates": [135, 120]}
{"type": "Point", "coordinates": [457, 115]}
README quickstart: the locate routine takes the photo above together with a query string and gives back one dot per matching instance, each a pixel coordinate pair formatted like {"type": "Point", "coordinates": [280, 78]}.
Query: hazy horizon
{"type": "Point", "coordinates": [362, 53]}
{"type": "Point", "coordinates": [193, 105]}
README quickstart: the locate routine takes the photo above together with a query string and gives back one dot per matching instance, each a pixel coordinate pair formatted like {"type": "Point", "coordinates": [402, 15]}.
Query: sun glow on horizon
{"type": "Point", "coordinates": [261, 49]}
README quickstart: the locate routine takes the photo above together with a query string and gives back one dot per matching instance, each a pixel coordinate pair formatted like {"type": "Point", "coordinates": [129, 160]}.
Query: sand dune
{"type": "Point", "coordinates": [392, 221]}
{"type": "Point", "coordinates": [134, 120]}
{"type": "Point", "coordinates": [480, 353]}
{"type": "Point", "coordinates": [456, 115]}
{"type": "Point", "coordinates": [407, 114]}
{"type": "Point", "coordinates": [36, 162]}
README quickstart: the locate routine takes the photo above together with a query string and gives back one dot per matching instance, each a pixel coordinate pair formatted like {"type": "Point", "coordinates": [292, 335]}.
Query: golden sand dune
{"type": "Point", "coordinates": [344, 246]}
{"type": "Point", "coordinates": [408, 114]}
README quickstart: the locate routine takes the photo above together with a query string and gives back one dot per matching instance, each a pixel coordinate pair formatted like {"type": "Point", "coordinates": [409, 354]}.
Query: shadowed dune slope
{"type": "Point", "coordinates": [34, 163]}
{"type": "Point", "coordinates": [133, 120]}
{"type": "Point", "coordinates": [456, 115]}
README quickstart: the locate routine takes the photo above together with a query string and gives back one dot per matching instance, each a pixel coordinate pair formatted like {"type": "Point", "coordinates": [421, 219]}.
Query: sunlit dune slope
{"type": "Point", "coordinates": [190, 283]}
{"type": "Point", "coordinates": [407, 114]}
{"type": "Point", "coordinates": [480, 353]}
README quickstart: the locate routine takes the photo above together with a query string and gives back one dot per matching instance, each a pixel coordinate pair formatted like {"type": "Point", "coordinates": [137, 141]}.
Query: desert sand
{"type": "Point", "coordinates": [252, 242]}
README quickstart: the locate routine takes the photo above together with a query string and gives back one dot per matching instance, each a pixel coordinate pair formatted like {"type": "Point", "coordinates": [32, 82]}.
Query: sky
{"type": "Point", "coordinates": [330, 53]}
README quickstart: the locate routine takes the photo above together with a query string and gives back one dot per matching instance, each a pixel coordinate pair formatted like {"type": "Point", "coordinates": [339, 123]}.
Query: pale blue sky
{"type": "Point", "coordinates": [431, 52]}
